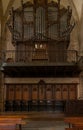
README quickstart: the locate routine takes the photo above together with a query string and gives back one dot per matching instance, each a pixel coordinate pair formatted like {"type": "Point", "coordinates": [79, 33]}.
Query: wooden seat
{"type": "Point", "coordinates": [76, 122]}
{"type": "Point", "coordinates": [73, 119]}
{"type": "Point", "coordinates": [7, 126]}
{"type": "Point", "coordinates": [10, 122]}
{"type": "Point", "coordinates": [69, 128]}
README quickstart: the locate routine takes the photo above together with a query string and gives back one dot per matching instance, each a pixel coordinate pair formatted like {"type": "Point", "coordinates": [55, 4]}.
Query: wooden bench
{"type": "Point", "coordinates": [7, 126]}
{"type": "Point", "coordinates": [73, 120]}
{"type": "Point", "coordinates": [76, 122]}
{"type": "Point", "coordinates": [11, 122]}
{"type": "Point", "coordinates": [69, 128]}
{"type": "Point", "coordinates": [13, 116]}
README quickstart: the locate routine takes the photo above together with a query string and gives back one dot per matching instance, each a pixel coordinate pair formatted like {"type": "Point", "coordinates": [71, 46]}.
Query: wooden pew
{"type": "Point", "coordinates": [14, 116]}
{"type": "Point", "coordinates": [69, 129]}
{"type": "Point", "coordinates": [73, 120]}
{"type": "Point", "coordinates": [76, 122]}
{"type": "Point", "coordinates": [7, 126]}
{"type": "Point", "coordinates": [11, 122]}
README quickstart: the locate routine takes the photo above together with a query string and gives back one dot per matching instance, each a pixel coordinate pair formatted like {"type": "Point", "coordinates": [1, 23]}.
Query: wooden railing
{"type": "Point", "coordinates": [12, 56]}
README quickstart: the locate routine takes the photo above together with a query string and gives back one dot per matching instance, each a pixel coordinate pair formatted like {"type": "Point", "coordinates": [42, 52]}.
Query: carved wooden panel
{"type": "Point", "coordinates": [25, 92]}
{"type": "Point", "coordinates": [34, 92]}
{"type": "Point", "coordinates": [49, 92]}
{"type": "Point", "coordinates": [72, 91]}
{"type": "Point", "coordinates": [57, 92]}
{"type": "Point", "coordinates": [41, 92]}
{"type": "Point", "coordinates": [10, 92]}
{"type": "Point", "coordinates": [18, 92]}
{"type": "Point", "coordinates": [64, 92]}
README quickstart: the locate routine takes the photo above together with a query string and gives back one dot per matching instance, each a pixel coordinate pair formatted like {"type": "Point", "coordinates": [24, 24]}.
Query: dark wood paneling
{"type": "Point", "coordinates": [64, 92]}
{"type": "Point", "coordinates": [74, 108]}
{"type": "Point", "coordinates": [72, 92]}
{"type": "Point", "coordinates": [58, 95]}
{"type": "Point", "coordinates": [10, 93]}
{"type": "Point", "coordinates": [18, 92]}
{"type": "Point", "coordinates": [41, 91]}
{"type": "Point", "coordinates": [25, 92]}
{"type": "Point", "coordinates": [42, 96]}
{"type": "Point", "coordinates": [34, 92]}
{"type": "Point", "coordinates": [49, 92]}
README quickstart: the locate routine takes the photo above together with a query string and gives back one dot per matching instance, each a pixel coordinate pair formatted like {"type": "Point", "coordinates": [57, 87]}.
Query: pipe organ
{"type": "Point", "coordinates": [41, 35]}
{"type": "Point", "coordinates": [40, 29]}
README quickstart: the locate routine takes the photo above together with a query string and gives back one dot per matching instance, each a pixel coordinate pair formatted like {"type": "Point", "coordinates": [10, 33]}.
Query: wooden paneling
{"type": "Point", "coordinates": [10, 92]}
{"type": "Point", "coordinates": [58, 95]}
{"type": "Point", "coordinates": [49, 92]}
{"type": "Point", "coordinates": [34, 92]}
{"type": "Point", "coordinates": [72, 91]}
{"type": "Point", "coordinates": [74, 108]}
{"type": "Point", "coordinates": [18, 92]}
{"type": "Point", "coordinates": [64, 92]}
{"type": "Point", "coordinates": [41, 91]}
{"type": "Point", "coordinates": [25, 92]}
{"type": "Point", "coordinates": [30, 97]}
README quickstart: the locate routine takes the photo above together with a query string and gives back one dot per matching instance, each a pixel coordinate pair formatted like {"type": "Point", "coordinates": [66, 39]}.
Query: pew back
{"type": "Point", "coordinates": [10, 122]}
{"type": "Point", "coordinates": [76, 122]}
